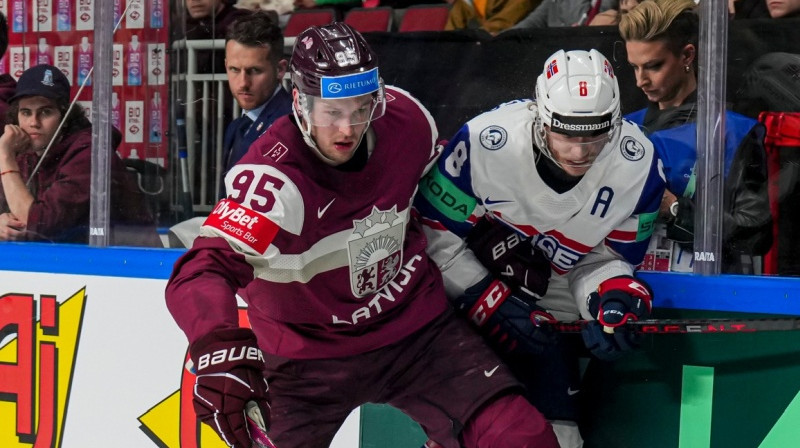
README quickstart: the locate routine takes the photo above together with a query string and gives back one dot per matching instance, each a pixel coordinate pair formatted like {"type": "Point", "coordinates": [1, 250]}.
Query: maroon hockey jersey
{"type": "Point", "coordinates": [329, 262]}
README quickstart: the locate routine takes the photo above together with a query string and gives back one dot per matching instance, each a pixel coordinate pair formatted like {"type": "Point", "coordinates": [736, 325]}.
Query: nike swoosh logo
{"type": "Point", "coordinates": [321, 211]}
{"type": "Point", "coordinates": [489, 373]}
{"type": "Point", "coordinates": [490, 202]}
{"type": "Point", "coordinates": [571, 391]}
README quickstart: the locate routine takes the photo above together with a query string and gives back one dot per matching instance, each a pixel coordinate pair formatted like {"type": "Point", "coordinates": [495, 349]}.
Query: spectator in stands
{"type": "Point", "coordinates": [783, 8]}
{"type": "Point", "coordinates": [555, 13]}
{"type": "Point", "coordinates": [661, 38]}
{"type": "Point", "coordinates": [278, 10]}
{"type": "Point", "coordinates": [492, 16]}
{"type": "Point", "coordinates": [613, 15]}
{"type": "Point", "coordinates": [206, 19]}
{"type": "Point", "coordinates": [279, 6]}
{"type": "Point", "coordinates": [769, 83]}
{"type": "Point", "coordinates": [46, 172]}
{"type": "Point", "coordinates": [210, 19]}
{"type": "Point", "coordinates": [255, 65]}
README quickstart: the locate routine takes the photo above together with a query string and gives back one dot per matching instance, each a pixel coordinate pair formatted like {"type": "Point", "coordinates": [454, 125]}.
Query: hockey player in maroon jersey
{"type": "Point", "coordinates": [346, 308]}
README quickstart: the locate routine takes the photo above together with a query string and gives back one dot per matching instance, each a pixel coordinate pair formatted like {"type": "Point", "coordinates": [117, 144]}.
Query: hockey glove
{"type": "Point", "coordinates": [508, 321]}
{"type": "Point", "coordinates": [229, 368]}
{"type": "Point", "coordinates": [617, 299]}
{"type": "Point", "coordinates": [510, 256]}
{"type": "Point", "coordinates": [681, 229]}
{"type": "Point", "coordinates": [609, 346]}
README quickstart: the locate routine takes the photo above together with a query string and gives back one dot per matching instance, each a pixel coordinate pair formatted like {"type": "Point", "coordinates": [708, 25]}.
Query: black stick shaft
{"type": "Point", "coordinates": [678, 326]}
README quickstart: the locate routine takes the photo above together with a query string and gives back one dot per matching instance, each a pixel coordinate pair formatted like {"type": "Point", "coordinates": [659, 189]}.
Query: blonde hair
{"type": "Point", "coordinates": [651, 19]}
{"type": "Point", "coordinates": [674, 22]}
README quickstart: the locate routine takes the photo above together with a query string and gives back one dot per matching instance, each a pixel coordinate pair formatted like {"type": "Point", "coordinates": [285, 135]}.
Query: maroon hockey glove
{"type": "Point", "coordinates": [508, 321]}
{"type": "Point", "coordinates": [620, 298]}
{"type": "Point", "coordinates": [509, 256]}
{"type": "Point", "coordinates": [229, 368]}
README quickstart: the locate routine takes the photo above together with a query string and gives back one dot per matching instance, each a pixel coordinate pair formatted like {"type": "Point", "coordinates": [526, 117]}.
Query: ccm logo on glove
{"type": "Point", "coordinates": [488, 303]}
{"type": "Point", "coordinates": [620, 298]}
{"type": "Point", "coordinates": [229, 355]}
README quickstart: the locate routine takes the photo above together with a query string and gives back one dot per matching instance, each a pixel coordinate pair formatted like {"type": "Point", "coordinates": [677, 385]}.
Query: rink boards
{"type": "Point", "coordinates": [90, 355]}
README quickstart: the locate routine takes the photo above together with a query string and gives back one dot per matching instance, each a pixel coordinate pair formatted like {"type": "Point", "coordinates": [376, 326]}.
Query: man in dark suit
{"type": "Point", "coordinates": [255, 65]}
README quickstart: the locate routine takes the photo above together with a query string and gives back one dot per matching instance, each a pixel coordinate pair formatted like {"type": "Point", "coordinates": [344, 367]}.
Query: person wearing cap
{"type": "Point", "coordinates": [45, 168]}
{"type": "Point", "coordinates": [317, 236]}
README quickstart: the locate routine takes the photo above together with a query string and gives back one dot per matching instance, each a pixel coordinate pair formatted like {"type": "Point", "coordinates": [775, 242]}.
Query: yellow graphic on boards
{"type": "Point", "coordinates": [38, 345]}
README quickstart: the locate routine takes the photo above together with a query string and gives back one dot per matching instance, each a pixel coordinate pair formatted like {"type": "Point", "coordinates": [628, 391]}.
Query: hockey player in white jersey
{"type": "Point", "coordinates": [557, 198]}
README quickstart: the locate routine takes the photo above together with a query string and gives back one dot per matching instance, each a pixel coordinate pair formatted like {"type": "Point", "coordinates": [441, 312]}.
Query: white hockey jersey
{"type": "Point", "coordinates": [598, 229]}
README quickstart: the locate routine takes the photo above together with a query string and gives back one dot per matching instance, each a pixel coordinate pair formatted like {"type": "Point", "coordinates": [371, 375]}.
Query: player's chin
{"type": "Point", "coordinates": [338, 153]}
{"type": "Point", "coordinates": [575, 170]}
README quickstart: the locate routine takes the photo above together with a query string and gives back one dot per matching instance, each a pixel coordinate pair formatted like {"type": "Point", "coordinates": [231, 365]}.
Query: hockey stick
{"type": "Point", "coordinates": [679, 326]}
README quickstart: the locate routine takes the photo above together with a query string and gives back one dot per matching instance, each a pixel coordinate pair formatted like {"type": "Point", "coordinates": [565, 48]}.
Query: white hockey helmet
{"type": "Point", "coordinates": [577, 95]}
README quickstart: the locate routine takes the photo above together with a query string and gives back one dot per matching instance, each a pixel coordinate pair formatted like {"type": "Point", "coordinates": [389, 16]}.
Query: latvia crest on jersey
{"type": "Point", "coordinates": [375, 250]}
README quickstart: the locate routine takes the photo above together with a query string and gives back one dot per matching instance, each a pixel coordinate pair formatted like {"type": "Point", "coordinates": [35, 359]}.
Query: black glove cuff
{"type": "Point", "coordinates": [681, 229]}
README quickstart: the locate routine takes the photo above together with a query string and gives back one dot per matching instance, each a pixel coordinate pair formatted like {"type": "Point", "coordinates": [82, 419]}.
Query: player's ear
{"type": "Point", "coordinates": [281, 68]}
{"type": "Point", "coordinates": [296, 106]}
{"type": "Point", "coordinates": [296, 98]}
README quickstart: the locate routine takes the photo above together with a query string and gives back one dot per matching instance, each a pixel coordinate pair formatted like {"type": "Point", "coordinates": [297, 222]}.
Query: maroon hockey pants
{"type": "Point", "coordinates": [510, 421]}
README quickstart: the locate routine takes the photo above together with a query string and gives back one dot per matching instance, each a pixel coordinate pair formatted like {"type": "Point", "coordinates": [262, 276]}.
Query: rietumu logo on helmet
{"type": "Point", "coordinates": [351, 85]}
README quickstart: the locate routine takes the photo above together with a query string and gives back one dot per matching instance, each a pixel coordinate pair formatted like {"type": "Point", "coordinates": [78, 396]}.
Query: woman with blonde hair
{"type": "Point", "coordinates": [661, 39]}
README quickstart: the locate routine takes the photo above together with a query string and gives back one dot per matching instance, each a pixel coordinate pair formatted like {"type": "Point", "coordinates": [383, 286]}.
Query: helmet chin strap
{"type": "Point", "coordinates": [305, 129]}
{"type": "Point", "coordinates": [540, 141]}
